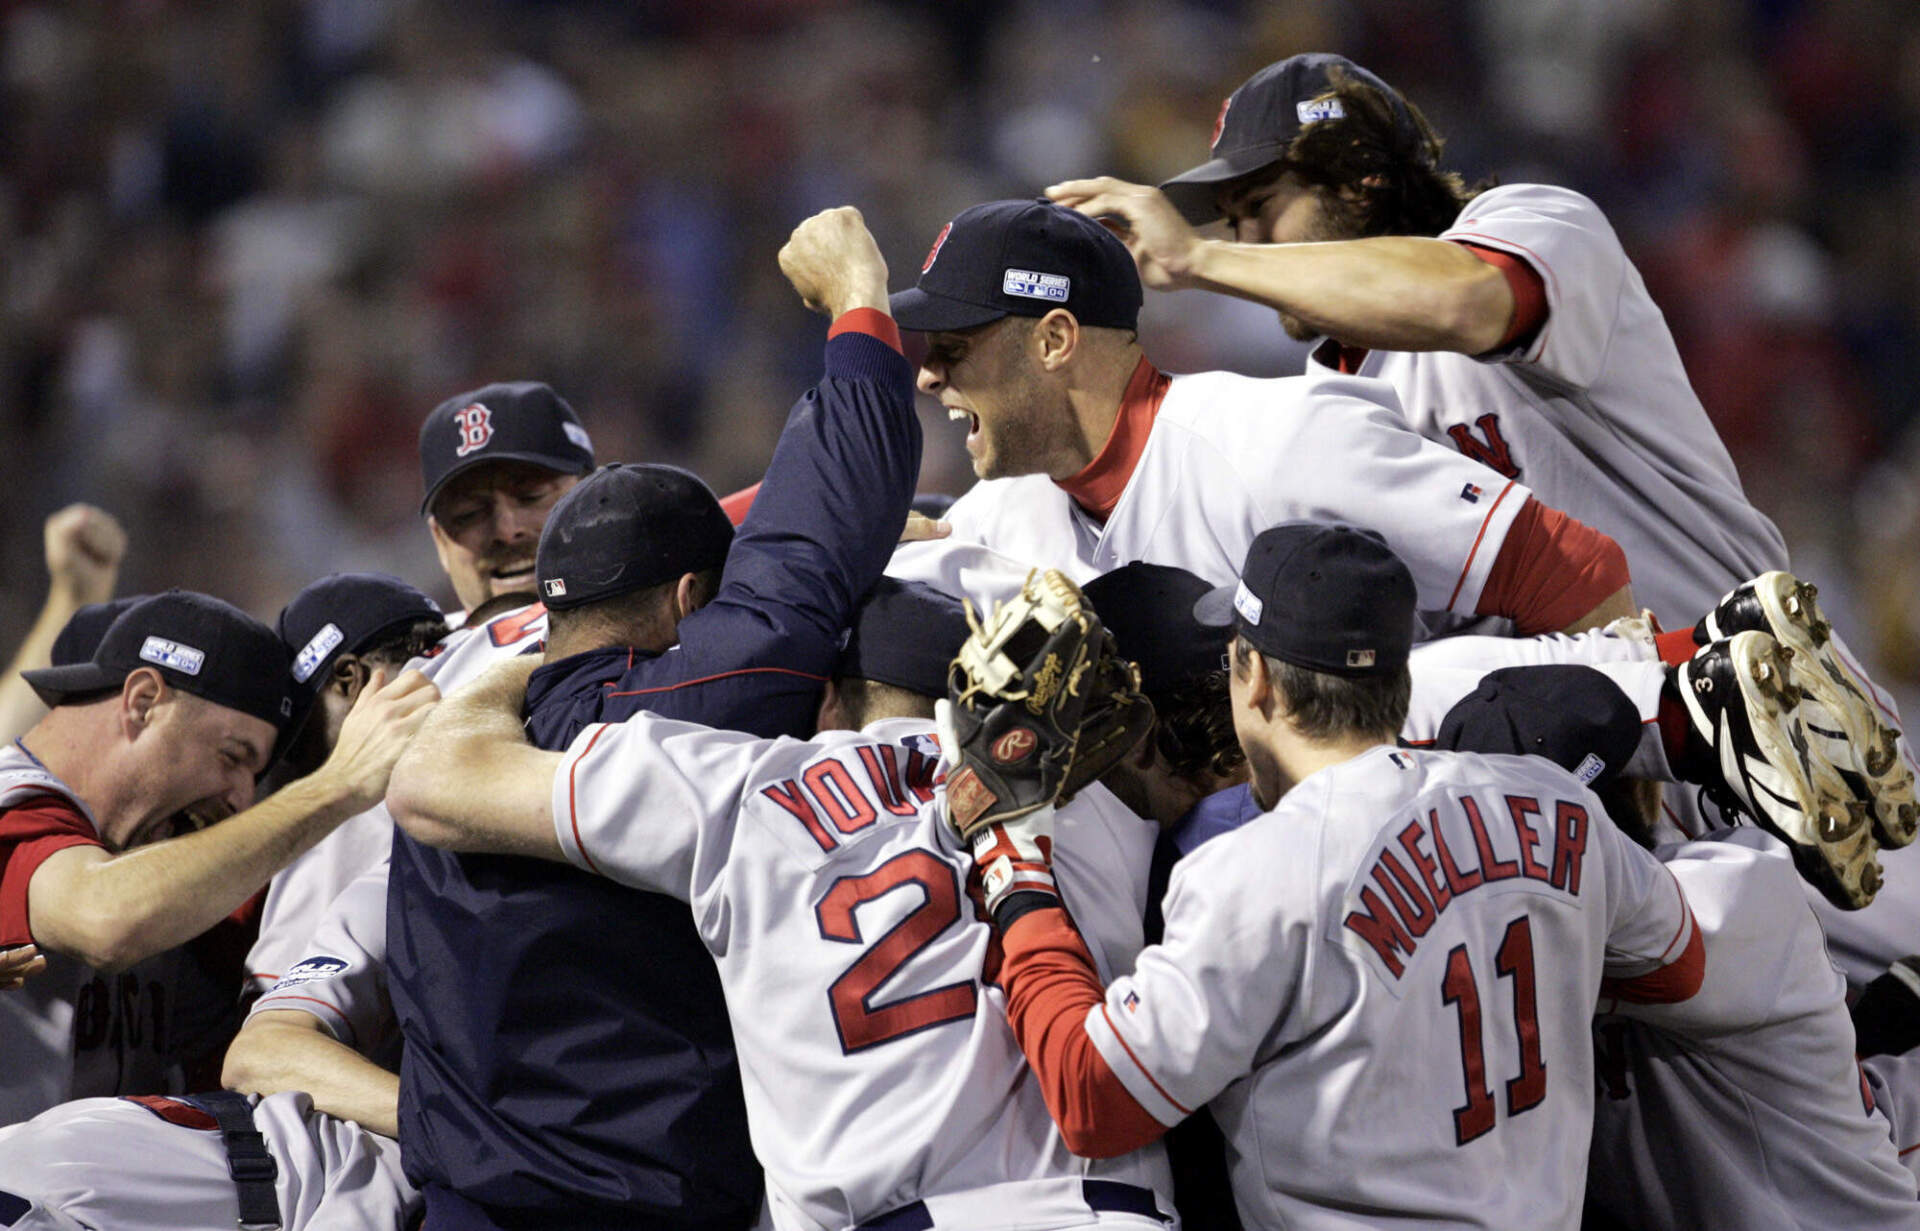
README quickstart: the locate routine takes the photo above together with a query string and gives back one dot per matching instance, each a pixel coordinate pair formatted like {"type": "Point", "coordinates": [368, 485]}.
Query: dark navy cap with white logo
{"type": "Point", "coordinates": [198, 644]}
{"type": "Point", "coordinates": [625, 527]}
{"type": "Point", "coordinates": [1259, 121]}
{"type": "Point", "coordinates": [1572, 715]}
{"type": "Point", "coordinates": [905, 633]}
{"type": "Point", "coordinates": [83, 630]}
{"type": "Point", "coordinates": [1021, 258]}
{"type": "Point", "coordinates": [519, 421]}
{"type": "Point", "coordinates": [346, 613]}
{"type": "Point", "coordinates": [1327, 597]}
{"type": "Point", "coordinates": [1149, 610]}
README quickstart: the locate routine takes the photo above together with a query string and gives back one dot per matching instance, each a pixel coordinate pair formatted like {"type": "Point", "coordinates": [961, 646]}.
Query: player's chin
{"type": "Point", "coordinates": [501, 583]}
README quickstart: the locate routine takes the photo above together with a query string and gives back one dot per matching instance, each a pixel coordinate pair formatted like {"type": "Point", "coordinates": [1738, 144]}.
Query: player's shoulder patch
{"type": "Point", "coordinates": [320, 966]}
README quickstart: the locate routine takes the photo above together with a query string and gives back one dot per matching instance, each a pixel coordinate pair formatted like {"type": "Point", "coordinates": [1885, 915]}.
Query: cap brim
{"type": "Point", "coordinates": [1214, 609]}
{"type": "Point", "coordinates": [558, 465]}
{"type": "Point", "coordinates": [55, 684]}
{"type": "Point", "coordinates": [914, 309]}
{"type": "Point", "coordinates": [1193, 192]}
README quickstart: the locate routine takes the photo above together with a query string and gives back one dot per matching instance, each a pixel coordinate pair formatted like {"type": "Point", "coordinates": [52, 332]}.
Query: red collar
{"type": "Point", "coordinates": [1345, 360]}
{"type": "Point", "coordinates": [1097, 488]}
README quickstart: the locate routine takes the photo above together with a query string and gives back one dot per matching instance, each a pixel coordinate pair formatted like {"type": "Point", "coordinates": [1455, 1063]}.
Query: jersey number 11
{"type": "Point", "coordinates": [1514, 960]}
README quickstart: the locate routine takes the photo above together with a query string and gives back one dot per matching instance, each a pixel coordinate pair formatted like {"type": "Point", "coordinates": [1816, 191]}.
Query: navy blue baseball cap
{"type": "Point", "coordinates": [346, 613]}
{"type": "Point", "coordinates": [519, 421]}
{"type": "Point", "coordinates": [83, 630]}
{"type": "Point", "coordinates": [1259, 121]}
{"type": "Point", "coordinates": [198, 644]}
{"type": "Point", "coordinates": [1021, 258]}
{"type": "Point", "coordinates": [1572, 715]}
{"type": "Point", "coordinates": [1320, 595]}
{"type": "Point", "coordinates": [625, 527]}
{"type": "Point", "coordinates": [905, 633]}
{"type": "Point", "coordinates": [1149, 610]}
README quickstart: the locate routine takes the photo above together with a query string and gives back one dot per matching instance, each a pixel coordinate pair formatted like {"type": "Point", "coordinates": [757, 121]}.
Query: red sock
{"type": "Point", "coordinates": [1675, 647]}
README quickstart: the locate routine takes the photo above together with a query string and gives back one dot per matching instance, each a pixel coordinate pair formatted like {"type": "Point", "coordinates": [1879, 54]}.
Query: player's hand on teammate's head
{"type": "Point", "coordinates": [1163, 244]}
{"type": "Point", "coordinates": [84, 546]}
{"type": "Point", "coordinates": [383, 721]}
{"type": "Point", "coordinates": [19, 964]}
{"type": "Point", "coordinates": [833, 261]}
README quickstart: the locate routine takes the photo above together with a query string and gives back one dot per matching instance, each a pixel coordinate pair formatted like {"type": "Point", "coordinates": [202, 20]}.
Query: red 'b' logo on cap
{"type": "Point", "coordinates": [934, 251]}
{"type": "Point", "coordinates": [476, 428]}
{"type": "Point", "coordinates": [1219, 123]}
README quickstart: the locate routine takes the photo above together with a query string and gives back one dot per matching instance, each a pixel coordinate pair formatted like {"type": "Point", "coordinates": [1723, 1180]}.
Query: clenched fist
{"type": "Point", "coordinates": [833, 261]}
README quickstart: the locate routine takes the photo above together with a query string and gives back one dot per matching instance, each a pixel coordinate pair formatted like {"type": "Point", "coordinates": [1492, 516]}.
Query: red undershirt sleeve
{"type": "Point", "coordinates": [1551, 570]}
{"type": "Point", "coordinates": [1676, 981]}
{"type": "Point", "coordinates": [736, 505]}
{"type": "Point", "coordinates": [870, 321]}
{"type": "Point", "coordinates": [1529, 293]}
{"type": "Point", "coordinates": [1051, 983]}
{"type": "Point", "coordinates": [28, 835]}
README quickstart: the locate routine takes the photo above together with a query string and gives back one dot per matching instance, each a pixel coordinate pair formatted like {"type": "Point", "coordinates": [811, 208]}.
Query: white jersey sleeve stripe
{"type": "Point", "coordinates": [1466, 570]}
{"type": "Point", "coordinates": [1140, 1083]}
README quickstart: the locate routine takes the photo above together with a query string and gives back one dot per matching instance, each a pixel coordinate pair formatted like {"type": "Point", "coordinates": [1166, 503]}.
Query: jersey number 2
{"type": "Point", "coordinates": [1514, 960]}
{"type": "Point", "coordinates": [861, 1025]}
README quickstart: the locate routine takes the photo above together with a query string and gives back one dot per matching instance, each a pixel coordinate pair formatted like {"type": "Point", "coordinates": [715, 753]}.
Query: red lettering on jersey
{"type": "Point", "coordinates": [1520, 807]}
{"type": "Point", "coordinates": [1493, 452]}
{"type": "Point", "coordinates": [1570, 824]}
{"type": "Point", "coordinates": [1418, 914]}
{"type": "Point", "coordinates": [921, 777]}
{"type": "Point", "coordinates": [886, 779]}
{"type": "Point", "coordinates": [476, 428]}
{"type": "Point", "coordinates": [1457, 881]}
{"type": "Point", "coordinates": [1375, 924]}
{"type": "Point", "coordinates": [1410, 842]}
{"type": "Point", "coordinates": [515, 625]}
{"type": "Point", "coordinates": [787, 795]}
{"type": "Point", "coordinates": [839, 796]}
{"type": "Point", "coordinates": [1491, 869]}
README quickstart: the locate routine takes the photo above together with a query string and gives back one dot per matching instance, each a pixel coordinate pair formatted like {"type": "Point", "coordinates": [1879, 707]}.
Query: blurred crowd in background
{"type": "Point", "coordinates": [246, 245]}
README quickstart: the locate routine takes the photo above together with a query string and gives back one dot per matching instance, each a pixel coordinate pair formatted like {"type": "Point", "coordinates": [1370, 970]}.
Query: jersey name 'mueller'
{"type": "Point", "coordinates": [1418, 895]}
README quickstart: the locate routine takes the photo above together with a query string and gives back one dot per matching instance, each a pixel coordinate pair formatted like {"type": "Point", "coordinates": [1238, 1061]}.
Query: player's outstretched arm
{"type": "Point", "coordinates": [285, 1049]}
{"type": "Point", "coordinates": [84, 548]}
{"type": "Point", "coordinates": [112, 910]}
{"type": "Point", "coordinates": [472, 782]}
{"type": "Point", "coordinates": [1390, 292]}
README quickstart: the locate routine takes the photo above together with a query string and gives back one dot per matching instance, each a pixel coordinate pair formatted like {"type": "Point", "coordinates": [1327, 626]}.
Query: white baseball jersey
{"type": "Point", "coordinates": [1229, 456]}
{"type": "Point", "coordinates": [113, 1163]}
{"type": "Point", "coordinates": [36, 1022]}
{"type": "Point", "coordinates": [878, 1065]}
{"type": "Point", "coordinates": [1384, 990]}
{"type": "Point", "coordinates": [1895, 1083]}
{"type": "Point", "coordinates": [1742, 1107]}
{"type": "Point", "coordinates": [1594, 413]}
{"type": "Point", "coordinates": [342, 977]}
{"type": "Point", "coordinates": [299, 896]}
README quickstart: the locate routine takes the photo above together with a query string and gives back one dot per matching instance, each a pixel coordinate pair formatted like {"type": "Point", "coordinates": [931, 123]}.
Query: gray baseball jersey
{"type": "Point", "coordinates": [877, 1061]}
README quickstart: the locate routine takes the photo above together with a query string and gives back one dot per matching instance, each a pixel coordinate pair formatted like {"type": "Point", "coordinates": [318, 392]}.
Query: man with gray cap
{"type": "Point", "coordinates": [624, 1110]}
{"type": "Point", "coordinates": [179, 710]}
{"type": "Point", "coordinates": [1350, 978]}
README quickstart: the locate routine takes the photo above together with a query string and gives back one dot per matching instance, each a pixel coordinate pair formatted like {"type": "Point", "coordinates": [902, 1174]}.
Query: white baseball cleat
{"type": "Point", "coordinates": [1742, 698]}
{"type": "Point", "coordinates": [1839, 714]}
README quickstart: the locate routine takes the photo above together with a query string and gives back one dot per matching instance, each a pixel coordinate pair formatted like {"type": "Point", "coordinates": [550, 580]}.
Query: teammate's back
{"type": "Point", "coordinates": [877, 1061]}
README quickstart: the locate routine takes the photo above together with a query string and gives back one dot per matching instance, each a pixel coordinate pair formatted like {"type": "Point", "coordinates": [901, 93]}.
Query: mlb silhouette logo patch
{"type": "Point", "coordinates": [1471, 493]}
{"type": "Point", "coordinates": [556, 587]}
{"type": "Point", "coordinates": [1360, 658]}
{"type": "Point", "coordinates": [476, 428]}
{"type": "Point", "coordinates": [1132, 1002]}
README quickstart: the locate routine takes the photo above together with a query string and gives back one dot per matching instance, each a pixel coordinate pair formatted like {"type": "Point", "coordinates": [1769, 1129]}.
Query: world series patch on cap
{"type": "Point", "coordinates": [1021, 258]}
{"type": "Point", "coordinates": [518, 421]}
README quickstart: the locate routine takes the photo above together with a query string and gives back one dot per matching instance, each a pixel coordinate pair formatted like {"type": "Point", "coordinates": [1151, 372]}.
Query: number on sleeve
{"type": "Point", "coordinates": [1513, 960]}
{"type": "Point", "coordinates": [861, 1025]}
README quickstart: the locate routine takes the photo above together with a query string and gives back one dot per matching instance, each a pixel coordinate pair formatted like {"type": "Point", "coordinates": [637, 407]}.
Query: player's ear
{"type": "Point", "coordinates": [694, 591]}
{"type": "Point", "coordinates": [349, 675]}
{"type": "Point", "coordinates": [1056, 338]}
{"type": "Point", "coordinates": [829, 717]}
{"type": "Point", "coordinates": [140, 693]}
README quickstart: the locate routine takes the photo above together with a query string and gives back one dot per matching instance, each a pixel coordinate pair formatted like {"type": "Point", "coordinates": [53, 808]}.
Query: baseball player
{"type": "Point", "coordinates": [84, 548]}
{"type": "Point", "coordinates": [1741, 1106]}
{"type": "Point", "coordinates": [614, 1101]}
{"type": "Point", "coordinates": [178, 710]}
{"type": "Point", "coordinates": [1350, 980]}
{"type": "Point", "coordinates": [324, 1114]}
{"type": "Point", "coordinates": [339, 630]}
{"type": "Point", "coordinates": [1092, 457]}
{"type": "Point", "coordinates": [883, 1086]}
